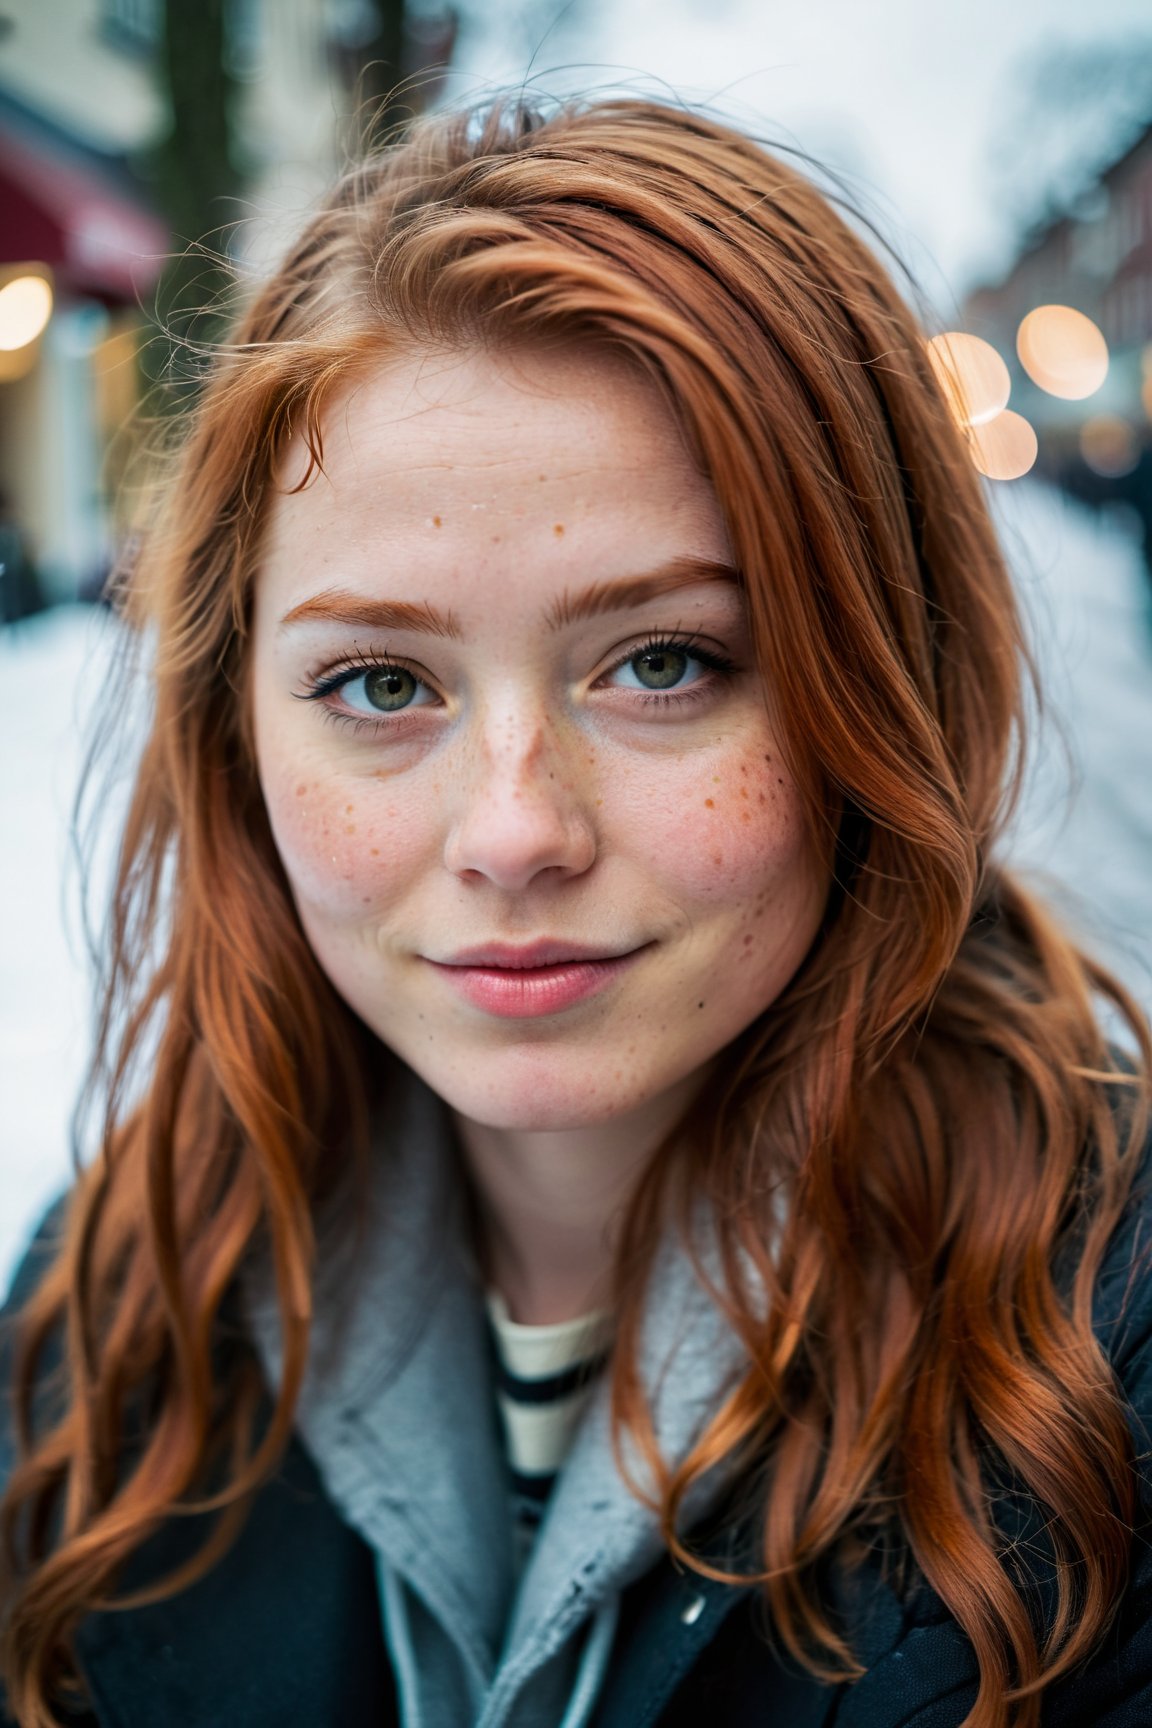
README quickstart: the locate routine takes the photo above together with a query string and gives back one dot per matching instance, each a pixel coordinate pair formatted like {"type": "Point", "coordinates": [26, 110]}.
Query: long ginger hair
{"type": "Point", "coordinates": [932, 1091]}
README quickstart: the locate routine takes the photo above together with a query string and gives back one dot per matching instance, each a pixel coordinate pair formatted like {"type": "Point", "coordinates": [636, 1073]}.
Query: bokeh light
{"type": "Point", "coordinates": [1004, 448]}
{"type": "Point", "coordinates": [1063, 352]}
{"type": "Point", "coordinates": [971, 374]}
{"type": "Point", "coordinates": [25, 308]}
{"type": "Point", "coordinates": [1109, 446]}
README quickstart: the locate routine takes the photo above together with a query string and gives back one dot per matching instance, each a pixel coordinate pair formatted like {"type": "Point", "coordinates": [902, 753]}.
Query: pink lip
{"type": "Point", "coordinates": [525, 983]}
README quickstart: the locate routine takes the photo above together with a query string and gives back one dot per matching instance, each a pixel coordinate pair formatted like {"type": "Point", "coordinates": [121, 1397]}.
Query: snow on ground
{"type": "Point", "coordinates": [1091, 843]}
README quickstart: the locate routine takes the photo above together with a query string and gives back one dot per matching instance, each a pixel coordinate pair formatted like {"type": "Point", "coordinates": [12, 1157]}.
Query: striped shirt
{"type": "Point", "coordinates": [544, 1378]}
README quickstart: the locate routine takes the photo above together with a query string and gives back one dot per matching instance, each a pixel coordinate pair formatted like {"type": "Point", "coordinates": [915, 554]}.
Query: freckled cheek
{"type": "Point", "coordinates": [718, 834]}
{"type": "Point", "coordinates": [348, 848]}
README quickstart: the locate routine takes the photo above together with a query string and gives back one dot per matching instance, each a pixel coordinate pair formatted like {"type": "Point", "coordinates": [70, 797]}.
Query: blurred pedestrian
{"type": "Point", "coordinates": [20, 595]}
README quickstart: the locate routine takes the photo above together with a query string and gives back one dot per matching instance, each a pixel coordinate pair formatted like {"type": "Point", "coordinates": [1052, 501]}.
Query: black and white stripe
{"type": "Point", "coordinates": [544, 1376]}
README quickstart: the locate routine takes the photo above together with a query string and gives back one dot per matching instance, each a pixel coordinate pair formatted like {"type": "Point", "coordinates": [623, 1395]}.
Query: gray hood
{"type": "Point", "coordinates": [398, 1412]}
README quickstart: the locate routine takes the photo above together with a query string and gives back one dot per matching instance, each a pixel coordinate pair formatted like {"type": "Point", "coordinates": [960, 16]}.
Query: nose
{"type": "Point", "coordinates": [520, 809]}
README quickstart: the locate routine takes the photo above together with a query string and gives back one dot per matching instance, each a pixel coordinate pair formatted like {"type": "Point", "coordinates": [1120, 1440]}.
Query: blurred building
{"type": "Point", "coordinates": [1095, 430]}
{"type": "Point", "coordinates": [84, 236]}
{"type": "Point", "coordinates": [74, 223]}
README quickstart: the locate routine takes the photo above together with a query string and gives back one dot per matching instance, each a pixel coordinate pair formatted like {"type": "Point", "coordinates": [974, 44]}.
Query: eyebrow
{"type": "Point", "coordinates": [337, 606]}
{"type": "Point", "coordinates": [630, 591]}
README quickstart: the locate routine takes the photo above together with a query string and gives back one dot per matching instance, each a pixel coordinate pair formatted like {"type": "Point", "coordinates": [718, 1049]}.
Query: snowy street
{"type": "Point", "coordinates": [1085, 828]}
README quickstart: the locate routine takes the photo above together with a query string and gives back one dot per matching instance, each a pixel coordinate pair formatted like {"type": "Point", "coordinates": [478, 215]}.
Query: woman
{"type": "Point", "coordinates": [568, 1030]}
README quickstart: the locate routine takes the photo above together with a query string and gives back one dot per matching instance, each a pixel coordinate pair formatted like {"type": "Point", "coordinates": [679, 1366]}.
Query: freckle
{"type": "Point", "coordinates": [348, 809]}
{"type": "Point", "coordinates": [743, 791]}
{"type": "Point", "coordinates": [558, 530]}
{"type": "Point", "coordinates": [709, 804]}
{"type": "Point", "coordinates": [763, 799]}
{"type": "Point", "coordinates": [542, 476]}
{"type": "Point", "coordinates": [366, 900]}
{"type": "Point", "coordinates": [744, 816]}
{"type": "Point", "coordinates": [436, 523]}
{"type": "Point", "coordinates": [300, 791]}
{"type": "Point", "coordinates": [747, 941]}
{"type": "Point", "coordinates": [375, 851]}
{"type": "Point", "coordinates": [717, 859]}
{"type": "Point", "coordinates": [496, 538]}
{"type": "Point", "coordinates": [349, 827]}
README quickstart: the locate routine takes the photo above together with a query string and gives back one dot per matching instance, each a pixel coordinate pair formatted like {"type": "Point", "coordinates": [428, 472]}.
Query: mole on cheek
{"type": "Point", "coordinates": [558, 529]}
{"type": "Point", "coordinates": [709, 804]}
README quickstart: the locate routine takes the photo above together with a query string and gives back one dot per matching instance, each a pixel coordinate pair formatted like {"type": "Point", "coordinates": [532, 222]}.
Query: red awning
{"type": "Point", "coordinates": [62, 212]}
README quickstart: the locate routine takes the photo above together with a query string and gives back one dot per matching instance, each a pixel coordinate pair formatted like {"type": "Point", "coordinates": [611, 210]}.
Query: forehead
{"type": "Point", "coordinates": [464, 469]}
{"type": "Point", "coordinates": [472, 410]}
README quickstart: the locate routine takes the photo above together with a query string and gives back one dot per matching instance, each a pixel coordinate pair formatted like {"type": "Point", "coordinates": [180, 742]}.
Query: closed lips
{"type": "Point", "coordinates": [498, 957]}
{"type": "Point", "coordinates": [530, 983]}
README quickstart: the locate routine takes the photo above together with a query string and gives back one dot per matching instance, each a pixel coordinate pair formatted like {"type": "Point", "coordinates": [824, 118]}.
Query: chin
{"type": "Point", "coordinates": [535, 1097]}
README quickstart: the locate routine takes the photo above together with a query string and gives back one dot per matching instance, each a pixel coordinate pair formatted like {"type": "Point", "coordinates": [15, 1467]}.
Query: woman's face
{"type": "Point", "coordinates": [515, 753]}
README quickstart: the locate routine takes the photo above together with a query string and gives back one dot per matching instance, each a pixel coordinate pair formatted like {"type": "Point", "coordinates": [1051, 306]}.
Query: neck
{"type": "Point", "coordinates": [550, 1204]}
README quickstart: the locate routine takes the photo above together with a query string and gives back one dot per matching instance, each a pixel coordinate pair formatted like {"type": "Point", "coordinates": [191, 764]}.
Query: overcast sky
{"type": "Point", "coordinates": [915, 98]}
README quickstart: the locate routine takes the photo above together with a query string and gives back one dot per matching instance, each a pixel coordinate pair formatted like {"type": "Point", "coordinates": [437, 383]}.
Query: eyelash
{"type": "Point", "coordinates": [322, 685]}
{"type": "Point", "coordinates": [327, 683]}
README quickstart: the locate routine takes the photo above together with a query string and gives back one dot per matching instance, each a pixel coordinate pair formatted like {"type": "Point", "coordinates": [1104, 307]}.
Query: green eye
{"type": "Point", "coordinates": [388, 688]}
{"type": "Point", "coordinates": [660, 668]}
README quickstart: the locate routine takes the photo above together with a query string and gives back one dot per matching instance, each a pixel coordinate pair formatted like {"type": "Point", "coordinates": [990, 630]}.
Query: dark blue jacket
{"type": "Point", "coordinates": [287, 1627]}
